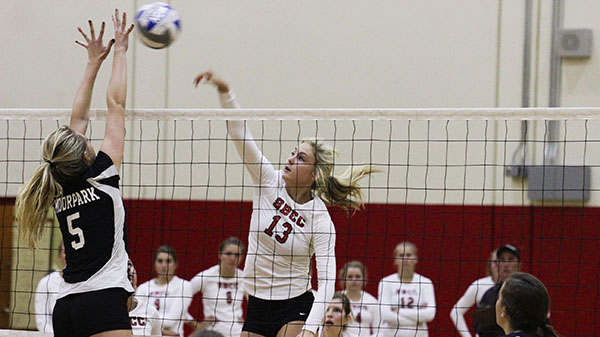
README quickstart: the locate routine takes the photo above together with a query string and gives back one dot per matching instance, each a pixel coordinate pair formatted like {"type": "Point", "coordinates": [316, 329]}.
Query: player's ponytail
{"type": "Point", "coordinates": [546, 330]}
{"type": "Point", "coordinates": [526, 301]}
{"type": "Point", "coordinates": [337, 190]}
{"type": "Point", "coordinates": [62, 156]}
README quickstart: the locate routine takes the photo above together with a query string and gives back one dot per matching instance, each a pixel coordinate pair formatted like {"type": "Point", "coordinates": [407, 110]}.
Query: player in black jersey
{"type": "Point", "coordinates": [83, 189]}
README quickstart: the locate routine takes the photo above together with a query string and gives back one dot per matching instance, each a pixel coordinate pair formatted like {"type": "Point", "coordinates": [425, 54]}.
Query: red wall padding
{"type": "Point", "coordinates": [559, 245]}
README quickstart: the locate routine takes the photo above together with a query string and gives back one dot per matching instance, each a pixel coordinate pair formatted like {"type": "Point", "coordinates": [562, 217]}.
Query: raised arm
{"type": "Point", "coordinates": [324, 243]}
{"type": "Point", "coordinates": [116, 94]}
{"type": "Point", "coordinates": [97, 53]}
{"type": "Point", "coordinates": [239, 132]}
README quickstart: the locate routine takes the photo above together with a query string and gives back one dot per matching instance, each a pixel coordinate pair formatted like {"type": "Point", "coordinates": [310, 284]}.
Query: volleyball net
{"type": "Point", "coordinates": [457, 183]}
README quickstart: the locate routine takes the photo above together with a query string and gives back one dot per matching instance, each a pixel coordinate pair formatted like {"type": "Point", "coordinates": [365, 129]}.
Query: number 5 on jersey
{"type": "Point", "coordinates": [76, 244]}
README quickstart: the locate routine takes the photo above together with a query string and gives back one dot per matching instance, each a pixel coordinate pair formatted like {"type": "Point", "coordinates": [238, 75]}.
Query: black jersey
{"type": "Point", "coordinates": [91, 215]}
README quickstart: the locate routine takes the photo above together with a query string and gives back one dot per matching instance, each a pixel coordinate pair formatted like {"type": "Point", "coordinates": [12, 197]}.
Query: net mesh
{"type": "Point", "coordinates": [444, 186]}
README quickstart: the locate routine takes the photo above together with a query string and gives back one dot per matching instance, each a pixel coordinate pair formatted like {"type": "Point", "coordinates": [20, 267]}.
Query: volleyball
{"type": "Point", "coordinates": [158, 25]}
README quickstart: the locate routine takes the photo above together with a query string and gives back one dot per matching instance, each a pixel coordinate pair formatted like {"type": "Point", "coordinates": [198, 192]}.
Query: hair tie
{"type": "Point", "coordinates": [49, 162]}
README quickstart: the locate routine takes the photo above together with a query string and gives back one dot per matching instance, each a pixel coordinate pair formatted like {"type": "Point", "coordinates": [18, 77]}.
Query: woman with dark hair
{"type": "Point", "coordinates": [222, 290]}
{"type": "Point", "coordinates": [337, 317]}
{"type": "Point", "coordinates": [83, 187]}
{"type": "Point", "coordinates": [168, 293]}
{"type": "Point", "coordinates": [523, 306]}
{"type": "Point", "coordinates": [365, 306]}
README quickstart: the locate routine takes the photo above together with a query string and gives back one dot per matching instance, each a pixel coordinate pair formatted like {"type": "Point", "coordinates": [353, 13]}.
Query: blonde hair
{"type": "Point", "coordinates": [62, 153]}
{"type": "Point", "coordinates": [337, 190]}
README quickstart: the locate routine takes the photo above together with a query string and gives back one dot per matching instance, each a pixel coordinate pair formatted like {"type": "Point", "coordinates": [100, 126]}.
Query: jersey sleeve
{"type": "Point", "coordinates": [229, 100]}
{"type": "Point", "coordinates": [103, 171]}
{"type": "Point", "coordinates": [197, 282]}
{"type": "Point", "coordinates": [258, 166]}
{"type": "Point", "coordinates": [463, 305]}
{"type": "Point", "coordinates": [324, 245]}
{"type": "Point", "coordinates": [425, 312]}
{"type": "Point", "coordinates": [141, 293]}
{"type": "Point", "coordinates": [41, 299]}
{"type": "Point", "coordinates": [375, 315]}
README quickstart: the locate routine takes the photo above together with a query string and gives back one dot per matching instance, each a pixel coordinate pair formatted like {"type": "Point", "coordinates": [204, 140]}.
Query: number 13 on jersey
{"type": "Point", "coordinates": [281, 238]}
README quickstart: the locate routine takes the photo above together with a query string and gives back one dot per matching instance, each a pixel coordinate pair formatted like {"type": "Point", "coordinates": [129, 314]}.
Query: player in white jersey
{"type": "Point", "coordinates": [222, 290]}
{"type": "Point", "coordinates": [473, 295]}
{"type": "Point", "coordinates": [338, 317]}
{"type": "Point", "coordinates": [84, 189]}
{"type": "Point", "coordinates": [365, 306]}
{"type": "Point", "coordinates": [290, 223]}
{"type": "Point", "coordinates": [407, 299]}
{"type": "Point", "coordinates": [46, 293]}
{"type": "Point", "coordinates": [144, 318]}
{"type": "Point", "coordinates": [170, 295]}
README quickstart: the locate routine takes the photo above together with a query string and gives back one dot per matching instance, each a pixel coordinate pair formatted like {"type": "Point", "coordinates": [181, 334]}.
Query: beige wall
{"type": "Point", "coordinates": [307, 54]}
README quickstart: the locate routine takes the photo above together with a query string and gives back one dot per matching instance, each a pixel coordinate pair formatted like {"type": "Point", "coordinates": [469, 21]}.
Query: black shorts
{"type": "Point", "coordinates": [267, 317]}
{"type": "Point", "coordinates": [89, 313]}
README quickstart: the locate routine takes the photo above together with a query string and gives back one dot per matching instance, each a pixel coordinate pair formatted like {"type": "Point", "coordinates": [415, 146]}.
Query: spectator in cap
{"type": "Point", "coordinates": [509, 262]}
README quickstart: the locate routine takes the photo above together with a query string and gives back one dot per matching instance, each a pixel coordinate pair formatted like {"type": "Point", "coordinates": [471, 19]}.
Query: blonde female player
{"type": "Point", "coordinates": [338, 317]}
{"type": "Point", "coordinates": [222, 290]}
{"type": "Point", "coordinates": [84, 189]}
{"type": "Point", "coordinates": [290, 223]}
{"type": "Point", "coordinates": [365, 306]}
{"type": "Point", "coordinates": [406, 298]}
{"type": "Point", "coordinates": [473, 295]}
{"type": "Point", "coordinates": [168, 293]}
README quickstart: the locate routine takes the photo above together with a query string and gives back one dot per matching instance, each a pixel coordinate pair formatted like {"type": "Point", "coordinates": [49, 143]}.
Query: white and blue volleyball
{"type": "Point", "coordinates": [158, 25]}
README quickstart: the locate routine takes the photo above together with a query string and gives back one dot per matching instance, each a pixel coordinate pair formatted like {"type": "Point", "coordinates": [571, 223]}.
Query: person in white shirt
{"type": "Point", "coordinates": [473, 295]}
{"type": "Point", "coordinates": [407, 299]}
{"type": "Point", "coordinates": [170, 295]}
{"type": "Point", "coordinates": [365, 306]}
{"type": "Point", "coordinates": [338, 317]}
{"type": "Point", "coordinates": [144, 318]}
{"type": "Point", "coordinates": [290, 223]}
{"type": "Point", "coordinates": [46, 293]}
{"type": "Point", "coordinates": [222, 290]}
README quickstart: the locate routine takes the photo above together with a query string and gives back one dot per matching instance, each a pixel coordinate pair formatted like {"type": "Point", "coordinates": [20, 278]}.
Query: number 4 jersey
{"type": "Point", "coordinates": [92, 219]}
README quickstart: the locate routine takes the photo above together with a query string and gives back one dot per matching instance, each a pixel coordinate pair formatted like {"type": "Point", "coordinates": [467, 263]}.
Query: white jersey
{"type": "Point", "coordinates": [366, 315]}
{"type": "Point", "coordinates": [406, 307]}
{"type": "Point", "coordinates": [45, 299]}
{"type": "Point", "coordinates": [171, 300]}
{"type": "Point", "coordinates": [222, 298]}
{"type": "Point", "coordinates": [470, 298]}
{"type": "Point", "coordinates": [283, 235]}
{"type": "Point", "coordinates": [145, 320]}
